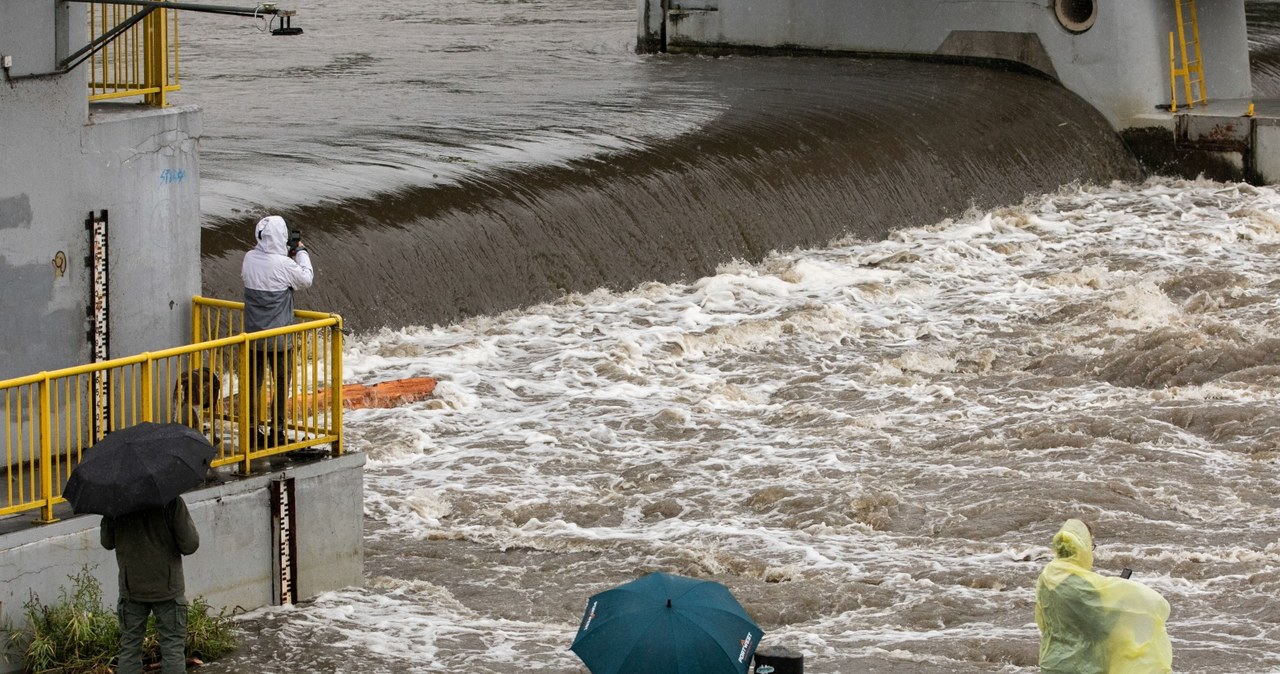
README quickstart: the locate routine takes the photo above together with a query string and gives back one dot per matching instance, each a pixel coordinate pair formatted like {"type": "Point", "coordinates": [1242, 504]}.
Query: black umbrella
{"type": "Point", "coordinates": [139, 467]}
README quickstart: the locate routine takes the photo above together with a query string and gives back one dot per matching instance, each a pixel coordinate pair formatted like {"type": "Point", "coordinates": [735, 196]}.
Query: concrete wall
{"type": "Point", "coordinates": [1225, 42]}
{"type": "Point", "coordinates": [1120, 64]}
{"type": "Point", "coordinates": [58, 162]}
{"type": "Point", "coordinates": [234, 566]}
{"type": "Point", "coordinates": [1266, 149]}
{"type": "Point", "coordinates": [33, 35]}
{"type": "Point", "coordinates": [41, 119]}
{"type": "Point", "coordinates": [142, 165]}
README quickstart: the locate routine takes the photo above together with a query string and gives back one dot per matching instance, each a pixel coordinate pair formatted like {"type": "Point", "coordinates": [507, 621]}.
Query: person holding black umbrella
{"type": "Point", "coordinates": [134, 478]}
{"type": "Point", "coordinates": [149, 546]}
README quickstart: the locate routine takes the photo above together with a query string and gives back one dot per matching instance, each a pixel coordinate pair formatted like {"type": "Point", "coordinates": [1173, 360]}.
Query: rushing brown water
{"type": "Point", "coordinates": [870, 441]}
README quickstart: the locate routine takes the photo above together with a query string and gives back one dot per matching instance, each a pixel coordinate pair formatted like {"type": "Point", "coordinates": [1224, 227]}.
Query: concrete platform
{"type": "Point", "coordinates": [238, 565]}
{"type": "Point", "coordinates": [1225, 129]}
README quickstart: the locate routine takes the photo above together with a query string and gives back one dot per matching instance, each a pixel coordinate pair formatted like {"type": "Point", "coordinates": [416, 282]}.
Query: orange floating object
{"type": "Point", "coordinates": [387, 393]}
{"type": "Point", "coordinates": [360, 396]}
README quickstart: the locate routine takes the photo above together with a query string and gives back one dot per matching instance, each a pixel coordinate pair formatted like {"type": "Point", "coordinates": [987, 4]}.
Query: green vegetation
{"type": "Point", "coordinates": [209, 637]}
{"type": "Point", "coordinates": [79, 636]}
{"type": "Point", "coordinates": [75, 635]}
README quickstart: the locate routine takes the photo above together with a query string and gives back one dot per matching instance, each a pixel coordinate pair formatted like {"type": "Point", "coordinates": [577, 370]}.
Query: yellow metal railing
{"type": "Point", "coordinates": [51, 418]}
{"type": "Point", "coordinates": [141, 61]}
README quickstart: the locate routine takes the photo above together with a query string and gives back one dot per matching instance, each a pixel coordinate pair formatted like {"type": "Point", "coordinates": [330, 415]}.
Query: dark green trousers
{"type": "Point", "coordinates": [171, 628]}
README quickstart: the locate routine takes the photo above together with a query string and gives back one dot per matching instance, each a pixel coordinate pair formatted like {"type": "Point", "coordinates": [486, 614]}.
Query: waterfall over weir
{"type": "Point", "coordinates": [797, 152]}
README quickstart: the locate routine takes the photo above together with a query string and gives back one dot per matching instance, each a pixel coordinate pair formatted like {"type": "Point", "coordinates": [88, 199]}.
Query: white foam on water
{"type": "Point", "coordinates": [870, 443]}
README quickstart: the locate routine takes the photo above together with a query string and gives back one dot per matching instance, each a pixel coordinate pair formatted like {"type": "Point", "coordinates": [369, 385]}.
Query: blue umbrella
{"type": "Point", "coordinates": [665, 624]}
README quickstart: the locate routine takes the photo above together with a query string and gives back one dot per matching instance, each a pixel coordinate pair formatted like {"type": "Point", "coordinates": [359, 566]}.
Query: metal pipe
{"type": "Point", "coordinates": [94, 47]}
{"type": "Point", "coordinates": [260, 10]}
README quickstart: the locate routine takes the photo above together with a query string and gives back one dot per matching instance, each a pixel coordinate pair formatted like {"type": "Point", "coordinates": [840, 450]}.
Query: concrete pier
{"type": "Point", "coordinates": [1243, 133]}
{"type": "Point", "coordinates": [1119, 59]}
{"type": "Point", "coordinates": [63, 161]}
{"type": "Point", "coordinates": [238, 565]}
{"type": "Point", "coordinates": [1116, 56]}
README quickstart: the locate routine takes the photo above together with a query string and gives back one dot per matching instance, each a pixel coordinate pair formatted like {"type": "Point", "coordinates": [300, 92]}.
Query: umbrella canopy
{"type": "Point", "coordinates": [665, 624]}
{"type": "Point", "coordinates": [139, 467]}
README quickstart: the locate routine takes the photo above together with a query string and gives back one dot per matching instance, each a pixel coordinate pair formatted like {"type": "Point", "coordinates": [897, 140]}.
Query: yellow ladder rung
{"type": "Point", "coordinates": [1191, 58]}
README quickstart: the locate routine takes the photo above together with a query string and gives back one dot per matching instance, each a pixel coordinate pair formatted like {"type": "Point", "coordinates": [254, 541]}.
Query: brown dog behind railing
{"type": "Point", "coordinates": [195, 405]}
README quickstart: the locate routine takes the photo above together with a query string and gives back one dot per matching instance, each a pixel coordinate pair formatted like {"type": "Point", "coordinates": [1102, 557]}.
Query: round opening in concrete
{"type": "Point", "coordinates": [1076, 16]}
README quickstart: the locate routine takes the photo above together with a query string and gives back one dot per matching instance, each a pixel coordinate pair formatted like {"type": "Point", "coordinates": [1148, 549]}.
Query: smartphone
{"type": "Point", "coordinates": [1126, 573]}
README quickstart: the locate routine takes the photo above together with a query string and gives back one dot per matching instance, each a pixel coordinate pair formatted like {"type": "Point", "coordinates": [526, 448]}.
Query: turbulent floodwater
{"type": "Point", "coordinates": [870, 443]}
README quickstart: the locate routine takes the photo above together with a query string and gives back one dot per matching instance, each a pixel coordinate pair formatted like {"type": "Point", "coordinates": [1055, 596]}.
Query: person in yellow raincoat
{"type": "Point", "coordinates": [1094, 624]}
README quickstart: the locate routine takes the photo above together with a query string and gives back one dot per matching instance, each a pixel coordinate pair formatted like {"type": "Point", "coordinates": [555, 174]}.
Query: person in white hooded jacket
{"type": "Point", "coordinates": [270, 276]}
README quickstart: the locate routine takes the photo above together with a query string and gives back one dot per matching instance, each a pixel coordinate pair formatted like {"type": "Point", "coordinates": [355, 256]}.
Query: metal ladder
{"type": "Point", "coordinates": [1192, 70]}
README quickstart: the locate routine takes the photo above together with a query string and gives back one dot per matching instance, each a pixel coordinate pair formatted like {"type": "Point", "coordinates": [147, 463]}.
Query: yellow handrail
{"type": "Point", "coordinates": [141, 61]}
{"type": "Point", "coordinates": [51, 418]}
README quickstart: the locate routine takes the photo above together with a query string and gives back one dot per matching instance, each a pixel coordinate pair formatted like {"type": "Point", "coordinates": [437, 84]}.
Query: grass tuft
{"type": "Point", "coordinates": [78, 636]}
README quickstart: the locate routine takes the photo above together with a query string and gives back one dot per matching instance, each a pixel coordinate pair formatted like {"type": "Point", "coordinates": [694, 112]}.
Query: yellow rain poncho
{"type": "Point", "coordinates": [1092, 624]}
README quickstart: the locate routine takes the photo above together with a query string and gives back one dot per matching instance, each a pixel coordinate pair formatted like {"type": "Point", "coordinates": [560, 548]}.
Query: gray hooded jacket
{"type": "Point", "coordinates": [270, 276]}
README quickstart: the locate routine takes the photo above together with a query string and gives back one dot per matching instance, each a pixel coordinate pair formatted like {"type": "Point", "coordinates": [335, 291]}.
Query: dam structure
{"type": "Point", "coordinates": [102, 244]}
{"type": "Point", "coordinates": [100, 249]}
{"type": "Point", "coordinates": [1176, 68]}
{"type": "Point", "coordinates": [99, 204]}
